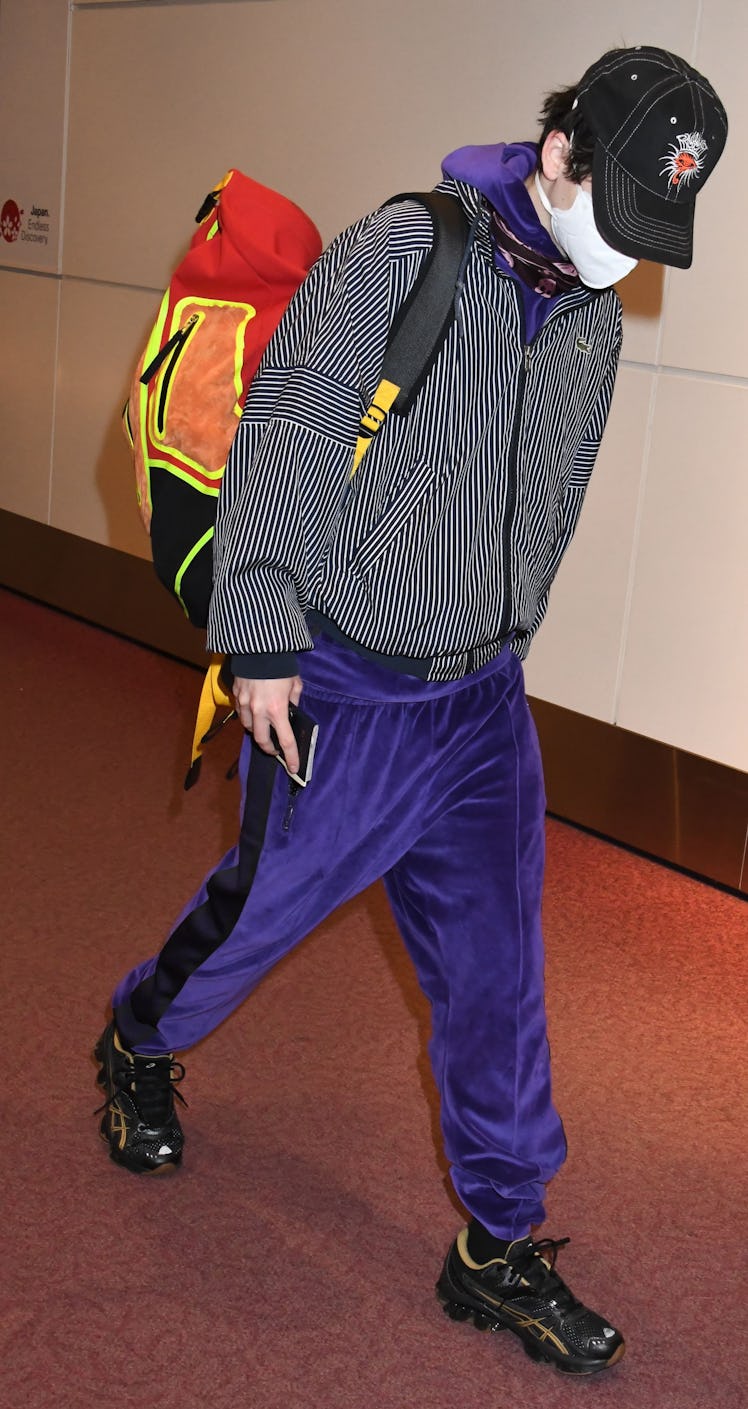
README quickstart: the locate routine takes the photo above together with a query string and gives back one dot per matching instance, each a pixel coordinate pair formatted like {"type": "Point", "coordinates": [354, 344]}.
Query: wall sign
{"type": "Point", "coordinates": [30, 226]}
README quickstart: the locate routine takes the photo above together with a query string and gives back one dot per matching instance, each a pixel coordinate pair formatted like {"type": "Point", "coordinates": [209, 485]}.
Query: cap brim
{"type": "Point", "coordinates": [637, 222]}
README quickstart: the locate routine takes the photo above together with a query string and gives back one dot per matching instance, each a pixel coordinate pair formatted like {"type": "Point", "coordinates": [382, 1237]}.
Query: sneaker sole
{"type": "Point", "coordinates": [484, 1318]}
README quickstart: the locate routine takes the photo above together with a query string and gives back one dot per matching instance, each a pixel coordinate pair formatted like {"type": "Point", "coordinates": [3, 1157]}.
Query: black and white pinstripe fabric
{"type": "Point", "coordinates": [448, 538]}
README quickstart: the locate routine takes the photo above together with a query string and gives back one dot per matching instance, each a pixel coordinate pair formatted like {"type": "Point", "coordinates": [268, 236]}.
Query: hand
{"type": "Point", "coordinates": [260, 703]}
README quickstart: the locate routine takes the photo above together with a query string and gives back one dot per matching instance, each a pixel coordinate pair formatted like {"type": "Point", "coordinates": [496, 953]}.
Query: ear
{"type": "Point", "coordinates": [554, 155]}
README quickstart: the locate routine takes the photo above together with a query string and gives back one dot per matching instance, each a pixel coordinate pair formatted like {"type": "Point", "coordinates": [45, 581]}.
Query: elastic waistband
{"type": "Point", "coordinates": [333, 669]}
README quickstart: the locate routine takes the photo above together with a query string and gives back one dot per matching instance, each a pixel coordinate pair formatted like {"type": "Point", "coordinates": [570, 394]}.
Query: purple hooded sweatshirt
{"type": "Point", "coordinates": [499, 172]}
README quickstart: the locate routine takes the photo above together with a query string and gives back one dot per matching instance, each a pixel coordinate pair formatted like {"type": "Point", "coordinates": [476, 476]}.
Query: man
{"type": "Point", "coordinates": [402, 601]}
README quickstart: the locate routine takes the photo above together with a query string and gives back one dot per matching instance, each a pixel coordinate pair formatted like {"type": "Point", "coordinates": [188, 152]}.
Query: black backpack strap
{"type": "Point", "coordinates": [423, 320]}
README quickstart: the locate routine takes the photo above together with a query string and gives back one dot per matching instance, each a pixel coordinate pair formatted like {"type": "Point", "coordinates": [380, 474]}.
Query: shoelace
{"type": "Point", "coordinates": [153, 1089]}
{"type": "Point", "coordinates": [542, 1277]}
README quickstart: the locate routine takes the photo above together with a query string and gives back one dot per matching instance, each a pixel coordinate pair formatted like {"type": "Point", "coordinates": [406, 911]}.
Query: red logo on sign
{"type": "Point", "coordinates": [10, 221]}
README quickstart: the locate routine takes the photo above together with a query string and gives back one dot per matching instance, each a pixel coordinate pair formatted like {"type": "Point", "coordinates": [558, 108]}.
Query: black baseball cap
{"type": "Point", "coordinates": [659, 130]}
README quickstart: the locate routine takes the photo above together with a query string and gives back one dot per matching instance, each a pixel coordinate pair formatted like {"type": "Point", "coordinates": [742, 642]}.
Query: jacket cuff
{"type": "Point", "coordinates": [279, 666]}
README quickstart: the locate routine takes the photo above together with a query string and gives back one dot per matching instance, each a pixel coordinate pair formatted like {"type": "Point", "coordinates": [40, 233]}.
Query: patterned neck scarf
{"type": "Point", "coordinates": [545, 276]}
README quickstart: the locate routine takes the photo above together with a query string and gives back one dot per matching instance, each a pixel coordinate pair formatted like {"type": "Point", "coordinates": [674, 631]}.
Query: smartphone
{"type": "Point", "coordinates": [305, 731]}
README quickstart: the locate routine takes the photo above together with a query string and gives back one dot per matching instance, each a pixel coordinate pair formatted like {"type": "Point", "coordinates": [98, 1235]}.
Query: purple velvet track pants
{"type": "Point", "coordinates": [437, 788]}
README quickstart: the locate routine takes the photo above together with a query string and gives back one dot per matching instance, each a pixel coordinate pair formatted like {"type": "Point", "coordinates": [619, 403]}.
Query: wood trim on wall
{"type": "Point", "coordinates": [687, 811]}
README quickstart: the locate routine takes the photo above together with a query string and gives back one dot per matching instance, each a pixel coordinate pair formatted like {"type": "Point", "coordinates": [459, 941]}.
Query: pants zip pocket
{"type": "Point", "coordinates": [293, 791]}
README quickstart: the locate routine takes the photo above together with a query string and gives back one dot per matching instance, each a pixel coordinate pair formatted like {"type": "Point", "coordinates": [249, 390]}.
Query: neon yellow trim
{"type": "Point", "coordinates": [213, 231]}
{"type": "Point", "coordinates": [239, 350]}
{"type": "Point", "coordinates": [152, 347]}
{"type": "Point", "coordinates": [373, 419]}
{"type": "Point", "coordinates": [190, 557]}
{"type": "Point", "coordinates": [150, 395]}
{"type": "Point", "coordinates": [192, 302]}
{"type": "Point", "coordinates": [210, 489]}
{"type": "Point", "coordinates": [250, 312]}
{"type": "Point", "coordinates": [197, 309]}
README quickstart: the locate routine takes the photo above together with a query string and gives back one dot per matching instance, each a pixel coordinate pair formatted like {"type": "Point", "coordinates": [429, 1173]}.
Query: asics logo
{"type": "Point", "coordinates": [118, 1124]}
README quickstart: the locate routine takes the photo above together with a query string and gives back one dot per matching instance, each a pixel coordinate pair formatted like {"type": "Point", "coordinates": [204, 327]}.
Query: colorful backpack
{"type": "Point", "coordinates": [252, 250]}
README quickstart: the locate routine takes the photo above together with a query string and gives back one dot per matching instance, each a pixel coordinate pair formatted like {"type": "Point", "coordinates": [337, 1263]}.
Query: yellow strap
{"type": "Point", "coordinates": [373, 419]}
{"type": "Point", "coordinates": [213, 696]}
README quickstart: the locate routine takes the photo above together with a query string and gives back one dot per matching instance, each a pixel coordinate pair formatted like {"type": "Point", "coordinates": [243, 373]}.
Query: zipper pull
{"type": "Point", "coordinates": [175, 340]}
{"type": "Point", "coordinates": [528, 357]}
{"type": "Point", "coordinates": [293, 790]}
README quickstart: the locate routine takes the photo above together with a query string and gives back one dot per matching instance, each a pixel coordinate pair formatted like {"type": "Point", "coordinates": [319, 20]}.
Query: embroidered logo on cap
{"type": "Point", "coordinates": [684, 159]}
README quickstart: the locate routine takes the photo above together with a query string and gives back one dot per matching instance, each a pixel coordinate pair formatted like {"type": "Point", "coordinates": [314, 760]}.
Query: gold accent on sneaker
{"type": "Point", "coordinates": [524, 1321]}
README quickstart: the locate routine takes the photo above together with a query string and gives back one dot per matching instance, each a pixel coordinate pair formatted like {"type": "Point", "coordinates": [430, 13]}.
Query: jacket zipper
{"type": "Point", "coordinates": [511, 494]}
{"type": "Point", "coordinates": [511, 498]}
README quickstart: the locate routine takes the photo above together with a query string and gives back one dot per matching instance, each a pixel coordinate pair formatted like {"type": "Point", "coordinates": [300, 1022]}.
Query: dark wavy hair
{"type": "Point", "coordinates": [558, 114]}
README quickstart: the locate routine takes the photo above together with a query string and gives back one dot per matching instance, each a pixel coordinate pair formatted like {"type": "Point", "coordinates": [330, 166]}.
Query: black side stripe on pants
{"type": "Point", "coordinates": [207, 927]}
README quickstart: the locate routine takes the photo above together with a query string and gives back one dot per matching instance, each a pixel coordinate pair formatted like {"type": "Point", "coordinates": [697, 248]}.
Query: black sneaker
{"type": "Point", "coordinates": [522, 1292]}
{"type": "Point", "coordinates": [139, 1121]}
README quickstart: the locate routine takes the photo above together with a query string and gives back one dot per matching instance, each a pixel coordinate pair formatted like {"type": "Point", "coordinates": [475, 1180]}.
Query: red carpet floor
{"type": "Point", "coordinates": [291, 1263]}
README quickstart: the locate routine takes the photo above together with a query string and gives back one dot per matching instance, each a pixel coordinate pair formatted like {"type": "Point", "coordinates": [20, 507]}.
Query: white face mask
{"type": "Point", "coordinates": [577, 236]}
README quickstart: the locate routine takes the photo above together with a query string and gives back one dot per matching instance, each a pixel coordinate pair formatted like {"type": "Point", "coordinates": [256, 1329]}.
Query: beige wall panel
{"type": "Point", "coordinates": [707, 309]}
{"type": "Point", "coordinates": [33, 73]}
{"type": "Point", "coordinates": [335, 103]}
{"type": "Point", "coordinates": [574, 660]}
{"type": "Point", "coordinates": [102, 332]}
{"type": "Point", "coordinates": [685, 676]}
{"type": "Point", "coordinates": [27, 379]}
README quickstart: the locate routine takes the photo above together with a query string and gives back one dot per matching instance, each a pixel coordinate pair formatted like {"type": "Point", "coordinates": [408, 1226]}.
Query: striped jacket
{"type": "Point", "coordinates": [447, 540]}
